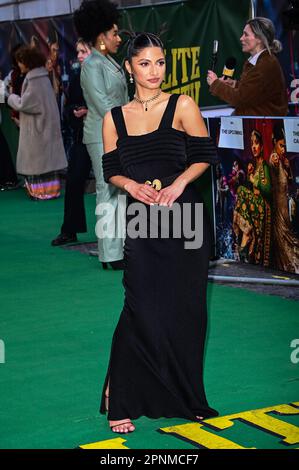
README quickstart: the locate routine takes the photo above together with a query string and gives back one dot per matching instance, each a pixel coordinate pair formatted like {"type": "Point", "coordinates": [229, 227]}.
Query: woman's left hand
{"type": "Point", "coordinates": [167, 196]}
{"type": "Point", "coordinates": [211, 77]}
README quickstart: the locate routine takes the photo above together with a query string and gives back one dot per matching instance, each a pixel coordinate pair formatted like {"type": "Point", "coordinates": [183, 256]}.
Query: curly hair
{"type": "Point", "coordinates": [30, 57]}
{"type": "Point", "coordinates": [94, 17]}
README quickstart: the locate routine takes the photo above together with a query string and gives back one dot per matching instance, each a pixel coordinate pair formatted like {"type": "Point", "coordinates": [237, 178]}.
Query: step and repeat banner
{"type": "Point", "coordinates": [188, 31]}
{"type": "Point", "coordinates": [257, 191]}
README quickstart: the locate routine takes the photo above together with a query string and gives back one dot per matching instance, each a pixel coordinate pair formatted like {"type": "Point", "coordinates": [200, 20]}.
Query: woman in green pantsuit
{"type": "Point", "coordinates": [104, 86]}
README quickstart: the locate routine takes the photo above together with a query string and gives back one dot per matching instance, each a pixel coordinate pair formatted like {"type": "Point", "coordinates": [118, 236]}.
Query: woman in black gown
{"type": "Point", "coordinates": [158, 139]}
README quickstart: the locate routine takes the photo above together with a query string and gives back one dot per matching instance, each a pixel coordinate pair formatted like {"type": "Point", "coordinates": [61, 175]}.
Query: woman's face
{"type": "Point", "coordinates": [280, 147]}
{"type": "Point", "coordinates": [250, 43]}
{"type": "Point", "coordinates": [83, 51]}
{"type": "Point", "coordinates": [23, 67]}
{"type": "Point", "coordinates": [49, 65]}
{"type": "Point", "coordinates": [54, 51]}
{"type": "Point", "coordinates": [148, 67]}
{"type": "Point", "coordinates": [111, 39]}
{"type": "Point", "coordinates": [256, 146]}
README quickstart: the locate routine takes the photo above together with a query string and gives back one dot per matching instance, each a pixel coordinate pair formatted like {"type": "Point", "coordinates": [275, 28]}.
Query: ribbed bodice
{"type": "Point", "coordinates": [160, 153]}
{"type": "Point", "coordinates": [163, 152]}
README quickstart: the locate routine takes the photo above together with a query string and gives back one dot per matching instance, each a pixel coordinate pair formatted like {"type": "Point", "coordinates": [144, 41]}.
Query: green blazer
{"type": "Point", "coordinates": [104, 86]}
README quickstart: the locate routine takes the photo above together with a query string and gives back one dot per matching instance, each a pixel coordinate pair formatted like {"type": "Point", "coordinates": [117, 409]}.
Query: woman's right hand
{"type": "Point", "coordinates": [141, 192]}
{"type": "Point", "coordinates": [229, 81]}
{"type": "Point", "coordinates": [250, 168]}
{"type": "Point", "coordinates": [211, 77]}
{"type": "Point", "coordinates": [251, 178]}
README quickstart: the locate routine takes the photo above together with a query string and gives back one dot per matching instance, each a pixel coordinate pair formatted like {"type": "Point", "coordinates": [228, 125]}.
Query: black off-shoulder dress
{"type": "Point", "coordinates": [156, 361]}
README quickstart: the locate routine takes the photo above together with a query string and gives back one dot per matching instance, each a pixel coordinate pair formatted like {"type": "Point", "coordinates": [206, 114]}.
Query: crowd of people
{"type": "Point", "coordinates": [150, 149]}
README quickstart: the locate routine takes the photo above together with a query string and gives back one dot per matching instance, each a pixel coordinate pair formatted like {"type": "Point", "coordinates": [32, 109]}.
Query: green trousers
{"type": "Point", "coordinates": [110, 249]}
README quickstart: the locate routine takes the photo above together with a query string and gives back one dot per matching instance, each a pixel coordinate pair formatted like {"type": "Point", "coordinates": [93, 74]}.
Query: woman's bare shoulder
{"type": "Point", "coordinates": [186, 103]}
{"type": "Point", "coordinates": [190, 117]}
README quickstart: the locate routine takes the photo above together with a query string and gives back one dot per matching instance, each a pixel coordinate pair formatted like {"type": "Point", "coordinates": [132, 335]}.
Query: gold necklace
{"type": "Point", "coordinates": [147, 101]}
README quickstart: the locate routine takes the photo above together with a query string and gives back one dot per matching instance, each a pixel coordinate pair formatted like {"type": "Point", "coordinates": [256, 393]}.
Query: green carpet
{"type": "Point", "coordinates": [58, 313]}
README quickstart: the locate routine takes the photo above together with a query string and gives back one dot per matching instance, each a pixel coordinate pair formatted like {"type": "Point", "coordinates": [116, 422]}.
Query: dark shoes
{"type": "Point", "coordinates": [64, 239]}
{"type": "Point", "coordinates": [9, 185]}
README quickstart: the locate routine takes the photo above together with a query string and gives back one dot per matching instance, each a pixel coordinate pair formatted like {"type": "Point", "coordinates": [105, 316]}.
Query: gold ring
{"type": "Point", "coordinates": [157, 184]}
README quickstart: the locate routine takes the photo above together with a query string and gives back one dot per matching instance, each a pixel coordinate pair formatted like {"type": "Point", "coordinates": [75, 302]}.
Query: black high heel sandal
{"type": "Point", "coordinates": [128, 421]}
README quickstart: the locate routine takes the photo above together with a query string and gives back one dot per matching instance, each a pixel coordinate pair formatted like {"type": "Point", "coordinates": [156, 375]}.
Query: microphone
{"type": "Point", "coordinates": [229, 68]}
{"type": "Point", "coordinates": [214, 55]}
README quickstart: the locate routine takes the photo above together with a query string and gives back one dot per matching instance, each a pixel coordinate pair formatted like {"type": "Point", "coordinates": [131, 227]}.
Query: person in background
{"type": "Point", "coordinates": [53, 66]}
{"type": "Point", "coordinates": [12, 84]}
{"type": "Point", "coordinates": [40, 152]}
{"type": "Point", "coordinates": [222, 192]}
{"type": "Point", "coordinates": [252, 213]}
{"type": "Point", "coordinates": [236, 178]}
{"type": "Point", "coordinates": [261, 90]}
{"type": "Point", "coordinates": [285, 243]}
{"type": "Point", "coordinates": [8, 176]}
{"type": "Point", "coordinates": [14, 81]}
{"type": "Point", "coordinates": [104, 86]}
{"type": "Point", "coordinates": [79, 161]}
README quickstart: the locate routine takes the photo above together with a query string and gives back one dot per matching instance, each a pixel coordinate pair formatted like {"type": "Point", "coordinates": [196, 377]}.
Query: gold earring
{"type": "Point", "coordinates": [102, 46]}
{"type": "Point", "coordinates": [131, 78]}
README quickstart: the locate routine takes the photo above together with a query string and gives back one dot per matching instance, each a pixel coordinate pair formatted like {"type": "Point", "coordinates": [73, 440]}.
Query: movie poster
{"type": "Point", "coordinates": [257, 196]}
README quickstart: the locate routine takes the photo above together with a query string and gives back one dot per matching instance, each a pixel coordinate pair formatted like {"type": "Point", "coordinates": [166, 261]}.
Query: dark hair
{"type": "Point", "coordinates": [94, 17]}
{"type": "Point", "coordinates": [52, 37]}
{"type": "Point", "coordinates": [13, 53]}
{"type": "Point", "coordinates": [85, 44]}
{"type": "Point", "coordinates": [140, 41]}
{"type": "Point", "coordinates": [239, 162]}
{"type": "Point", "coordinates": [278, 133]}
{"type": "Point", "coordinates": [258, 135]}
{"type": "Point", "coordinates": [30, 57]}
{"type": "Point", "coordinates": [264, 29]}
